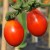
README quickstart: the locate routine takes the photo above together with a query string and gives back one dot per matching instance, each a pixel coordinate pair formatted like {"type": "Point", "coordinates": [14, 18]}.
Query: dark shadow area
{"type": "Point", "coordinates": [30, 46]}
{"type": "Point", "coordinates": [34, 46]}
{"type": "Point", "coordinates": [40, 45]}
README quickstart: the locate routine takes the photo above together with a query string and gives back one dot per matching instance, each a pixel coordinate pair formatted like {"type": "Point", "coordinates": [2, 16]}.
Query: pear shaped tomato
{"type": "Point", "coordinates": [36, 23]}
{"type": "Point", "coordinates": [13, 32]}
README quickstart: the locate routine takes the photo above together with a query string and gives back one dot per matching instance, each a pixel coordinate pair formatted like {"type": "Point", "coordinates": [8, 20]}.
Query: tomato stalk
{"type": "Point", "coordinates": [44, 5]}
{"type": "Point", "coordinates": [21, 5]}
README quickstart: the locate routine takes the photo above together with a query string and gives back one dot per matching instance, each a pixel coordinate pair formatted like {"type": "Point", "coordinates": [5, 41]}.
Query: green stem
{"type": "Point", "coordinates": [44, 5]}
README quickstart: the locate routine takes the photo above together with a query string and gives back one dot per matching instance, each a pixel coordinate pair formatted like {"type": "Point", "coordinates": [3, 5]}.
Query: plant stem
{"type": "Point", "coordinates": [44, 5]}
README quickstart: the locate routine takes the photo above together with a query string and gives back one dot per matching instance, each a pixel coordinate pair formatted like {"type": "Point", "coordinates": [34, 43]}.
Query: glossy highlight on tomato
{"type": "Point", "coordinates": [36, 23]}
{"type": "Point", "coordinates": [13, 32]}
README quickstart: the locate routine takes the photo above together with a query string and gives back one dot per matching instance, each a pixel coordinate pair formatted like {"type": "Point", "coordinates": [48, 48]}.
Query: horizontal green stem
{"type": "Point", "coordinates": [44, 5]}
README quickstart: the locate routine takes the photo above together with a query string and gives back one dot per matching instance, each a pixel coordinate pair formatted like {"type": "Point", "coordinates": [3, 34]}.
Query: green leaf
{"type": "Point", "coordinates": [23, 45]}
{"type": "Point", "coordinates": [22, 19]}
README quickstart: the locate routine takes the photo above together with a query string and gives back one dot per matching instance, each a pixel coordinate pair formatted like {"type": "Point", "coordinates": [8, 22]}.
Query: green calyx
{"type": "Point", "coordinates": [11, 15]}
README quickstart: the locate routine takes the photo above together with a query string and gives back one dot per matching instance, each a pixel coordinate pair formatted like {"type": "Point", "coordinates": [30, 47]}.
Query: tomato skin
{"type": "Point", "coordinates": [13, 32]}
{"type": "Point", "coordinates": [36, 23]}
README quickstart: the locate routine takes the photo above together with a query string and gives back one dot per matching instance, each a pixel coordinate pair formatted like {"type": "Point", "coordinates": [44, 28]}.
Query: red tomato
{"type": "Point", "coordinates": [14, 1]}
{"type": "Point", "coordinates": [13, 32]}
{"type": "Point", "coordinates": [36, 23]}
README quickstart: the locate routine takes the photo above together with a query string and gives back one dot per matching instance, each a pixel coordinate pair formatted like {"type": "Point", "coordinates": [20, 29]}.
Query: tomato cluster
{"type": "Point", "coordinates": [36, 24]}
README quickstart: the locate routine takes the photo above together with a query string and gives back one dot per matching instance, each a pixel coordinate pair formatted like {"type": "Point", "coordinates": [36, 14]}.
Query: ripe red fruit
{"type": "Point", "coordinates": [36, 23]}
{"type": "Point", "coordinates": [13, 32]}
